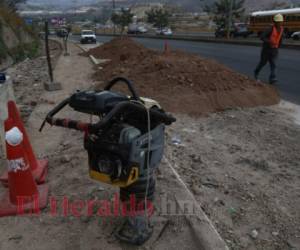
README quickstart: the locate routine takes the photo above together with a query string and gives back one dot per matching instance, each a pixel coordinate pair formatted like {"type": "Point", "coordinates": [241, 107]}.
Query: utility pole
{"type": "Point", "coordinates": [114, 11]}
{"type": "Point", "coordinates": [48, 52]}
{"type": "Point", "coordinates": [51, 85]}
{"type": "Point", "coordinates": [229, 19]}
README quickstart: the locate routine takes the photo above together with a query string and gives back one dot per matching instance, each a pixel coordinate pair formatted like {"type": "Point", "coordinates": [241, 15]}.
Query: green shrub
{"type": "Point", "coordinates": [23, 50]}
{"type": "Point", "coordinates": [32, 49]}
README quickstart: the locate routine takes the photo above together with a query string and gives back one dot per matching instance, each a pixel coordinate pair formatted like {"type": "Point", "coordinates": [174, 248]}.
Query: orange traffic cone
{"type": "Point", "coordinates": [39, 168]}
{"type": "Point", "coordinates": [167, 47]}
{"type": "Point", "coordinates": [24, 195]}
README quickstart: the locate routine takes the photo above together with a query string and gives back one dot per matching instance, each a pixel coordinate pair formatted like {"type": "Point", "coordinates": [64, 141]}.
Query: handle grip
{"type": "Point", "coordinates": [118, 110]}
{"type": "Point", "coordinates": [71, 124]}
{"type": "Point", "coordinates": [128, 83]}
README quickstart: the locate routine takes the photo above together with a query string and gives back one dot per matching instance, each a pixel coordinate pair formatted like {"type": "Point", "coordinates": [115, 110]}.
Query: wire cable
{"type": "Point", "coordinates": [148, 154]}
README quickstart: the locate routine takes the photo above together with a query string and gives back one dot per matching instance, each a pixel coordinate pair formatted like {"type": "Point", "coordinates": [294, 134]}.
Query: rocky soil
{"type": "Point", "coordinates": [244, 168]}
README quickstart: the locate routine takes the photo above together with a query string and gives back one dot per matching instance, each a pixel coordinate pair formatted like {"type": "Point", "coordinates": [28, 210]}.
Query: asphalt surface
{"type": "Point", "coordinates": [240, 58]}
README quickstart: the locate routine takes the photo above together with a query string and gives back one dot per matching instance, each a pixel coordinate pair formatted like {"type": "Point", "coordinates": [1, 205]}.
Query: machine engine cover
{"type": "Point", "coordinates": [96, 103]}
{"type": "Point", "coordinates": [122, 157]}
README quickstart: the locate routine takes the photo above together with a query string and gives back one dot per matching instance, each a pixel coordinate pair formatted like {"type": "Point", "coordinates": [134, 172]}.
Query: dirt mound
{"type": "Point", "coordinates": [181, 82]}
{"type": "Point", "coordinates": [120, 49]}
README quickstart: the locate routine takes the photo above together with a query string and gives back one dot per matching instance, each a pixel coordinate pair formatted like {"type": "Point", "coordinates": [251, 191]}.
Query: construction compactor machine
{"type": "Point", "coordinates": [124, 147]}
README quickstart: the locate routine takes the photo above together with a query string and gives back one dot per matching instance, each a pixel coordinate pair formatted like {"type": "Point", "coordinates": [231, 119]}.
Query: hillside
{"type": "Point", "coordinates": [265, 4]}
{"type": "Point", "coordinates": [16, 40]}
{"type": "Point", "coordinates": [250, 5]}
{"type": "Point", "coordinates": [189, 5]}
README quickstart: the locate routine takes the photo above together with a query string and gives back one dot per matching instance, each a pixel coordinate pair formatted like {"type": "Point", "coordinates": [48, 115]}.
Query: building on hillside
{"type": "Point", "coordinates": [140, 10]}
{"type": "Point", "coordinates": [191, 22]}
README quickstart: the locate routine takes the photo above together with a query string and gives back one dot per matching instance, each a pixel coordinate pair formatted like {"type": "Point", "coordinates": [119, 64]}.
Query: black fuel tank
{"type": "Point", "coordinates": [96, 103]}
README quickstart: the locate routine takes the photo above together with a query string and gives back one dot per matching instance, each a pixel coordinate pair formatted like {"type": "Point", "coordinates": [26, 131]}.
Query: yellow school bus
{"type": "Point", "coordinates": [260, 20]}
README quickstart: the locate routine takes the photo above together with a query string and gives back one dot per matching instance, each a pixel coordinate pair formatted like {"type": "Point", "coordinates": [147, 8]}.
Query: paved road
{"type": "Point", "coordinates": [196, 34]}
{"type": "Point", "coordinates": [242, 59]}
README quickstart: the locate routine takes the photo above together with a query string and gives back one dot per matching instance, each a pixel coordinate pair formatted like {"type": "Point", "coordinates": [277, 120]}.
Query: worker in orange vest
{"type": "Point", "coordinates": [272, 39]}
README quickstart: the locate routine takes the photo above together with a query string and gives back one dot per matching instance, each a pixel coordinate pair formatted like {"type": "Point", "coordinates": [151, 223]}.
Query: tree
{"type": "Point", "coordinates": [123, 18]}
{"type": "Point", "coordinates": [278, 5]}
{"type": "Point", "coordinates": [207, 5]}
{"type": "Point", "coordinates": [226, 11]}
{"type": "Point", "coordinates": [158, 17]}
{"type": "Point", "coordinates": [106, 14]}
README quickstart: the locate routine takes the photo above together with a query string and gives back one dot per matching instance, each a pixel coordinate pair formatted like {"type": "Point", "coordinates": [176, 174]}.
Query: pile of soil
{"type": "Point", "coordinates": [181, 82]}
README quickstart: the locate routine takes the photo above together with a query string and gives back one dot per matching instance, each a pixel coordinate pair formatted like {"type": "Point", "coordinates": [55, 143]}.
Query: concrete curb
{"type": "Point", "coordinates": [208, 40]}
{"type": "Point", "coordinates": [80, 47]}
{"type": "Point", "coordinates": [57, 41]}
{"type": "Point", "coordinates": [204, 232]}
{"type": "Point", "coordinates": [94, 60]}
{"type": "Point", "coordinates": [289, 108]}
{"type": "Point", "coordinates": [77, 45]}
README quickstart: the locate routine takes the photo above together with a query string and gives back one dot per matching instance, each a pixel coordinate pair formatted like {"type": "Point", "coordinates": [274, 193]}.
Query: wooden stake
{"type": "Point", "coordinates": [48, 52]}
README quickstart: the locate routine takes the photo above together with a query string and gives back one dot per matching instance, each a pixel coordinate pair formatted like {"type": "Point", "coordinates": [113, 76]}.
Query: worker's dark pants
{"type": "Point", "coordinates": [268, 55]}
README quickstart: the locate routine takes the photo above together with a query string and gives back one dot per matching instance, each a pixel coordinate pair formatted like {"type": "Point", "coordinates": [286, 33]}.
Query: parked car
{"type": "Point", "coordinates": [52, 32]}
{"type": "Point", "coordinates": [42, 35]}
{"type": "Point", "coordinates": [241, 29]}
{"type": "Point", "coordinates": [237, 30]}
{"type": "Point", "coordinates": [142, 30]}
{"type": "Point", "coordinates": [296, 35]}
{"type": "Point", "coordinates": [62, 32]}
{"type": "Point", "coordinates": [164, 32]}
{"type": "Point", "coordinates": [88, 36]}
{"type": "Point", "coordinates": [222, 32]}
{"type": "Point", "coordinates": [135, 29]}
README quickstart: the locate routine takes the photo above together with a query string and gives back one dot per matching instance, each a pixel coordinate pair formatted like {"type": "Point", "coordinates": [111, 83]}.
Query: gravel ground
{"type": "Point", "coordinates": [243, 166]}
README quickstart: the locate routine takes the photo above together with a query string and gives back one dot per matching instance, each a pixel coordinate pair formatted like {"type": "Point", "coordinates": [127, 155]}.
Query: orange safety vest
{"type": "Point", "coordinates": [276, 37]}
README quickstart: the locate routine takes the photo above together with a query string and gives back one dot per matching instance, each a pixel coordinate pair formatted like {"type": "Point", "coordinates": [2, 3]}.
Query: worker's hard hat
{"type": "Point", "coordinates": [278, 18]}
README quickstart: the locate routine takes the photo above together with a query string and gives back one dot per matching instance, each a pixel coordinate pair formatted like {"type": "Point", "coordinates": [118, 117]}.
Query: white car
{"type": "Point", "coordinates": [142, 30]}
{"type": "Point", "coordinates": [165, 32]}
{"type": "Point", "coordinates": [88, 36]}
{"type": "Point", "coordinates": [296, 35]}
{"type": "Point", "coordinates": [134, 29]}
